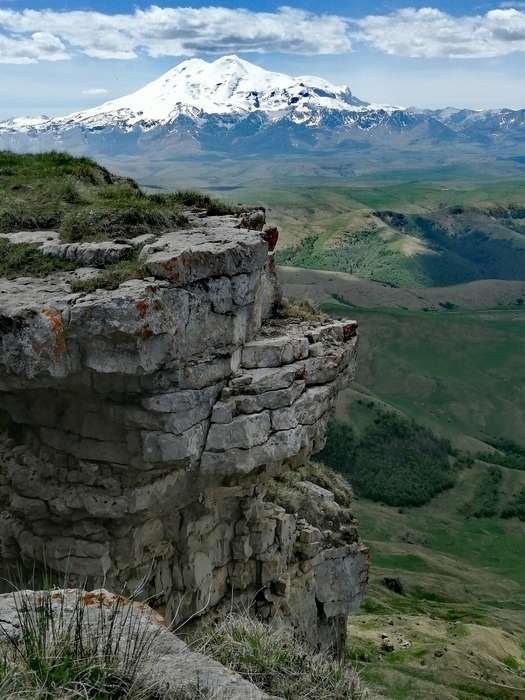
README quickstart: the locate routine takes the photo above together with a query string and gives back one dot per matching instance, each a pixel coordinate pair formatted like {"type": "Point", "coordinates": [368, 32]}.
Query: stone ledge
{"type": "Point", "coordinates": [151, 419]}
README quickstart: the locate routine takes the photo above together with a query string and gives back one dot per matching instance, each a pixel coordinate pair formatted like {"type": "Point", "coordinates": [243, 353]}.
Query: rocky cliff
{"type": "Point", "coordinates": [158, 434]}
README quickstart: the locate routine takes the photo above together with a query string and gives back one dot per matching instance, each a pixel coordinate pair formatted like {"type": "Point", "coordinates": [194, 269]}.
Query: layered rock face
{"type": "Point", "coordinates": [154, 429]}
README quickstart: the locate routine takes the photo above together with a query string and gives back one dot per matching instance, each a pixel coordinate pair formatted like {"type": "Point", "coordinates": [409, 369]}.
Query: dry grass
{"type": "Point", "coordinates": [277, 661]}
{"type": "Point", "coordinates": [300, 310]}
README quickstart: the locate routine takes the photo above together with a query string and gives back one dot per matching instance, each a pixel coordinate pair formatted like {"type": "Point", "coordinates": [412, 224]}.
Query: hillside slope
{"type": "Point", "coordinates": [409, 234]}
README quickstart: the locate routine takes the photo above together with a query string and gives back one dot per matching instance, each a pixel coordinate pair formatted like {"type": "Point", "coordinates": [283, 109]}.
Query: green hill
{"type": "Point", "coordinates": [457, 630]}
{"type": "Point", "coordinates": [405, 234]}
{"type": "Point", "coordinates": [460, 373]}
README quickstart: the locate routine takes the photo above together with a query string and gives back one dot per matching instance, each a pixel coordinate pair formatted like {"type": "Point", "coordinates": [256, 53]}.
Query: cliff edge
{"type": "Point", "coordinates": [158, 434]}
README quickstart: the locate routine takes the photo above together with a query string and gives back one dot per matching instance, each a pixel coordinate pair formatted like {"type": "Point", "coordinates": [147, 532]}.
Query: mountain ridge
{"type": "Point", "coordinates": [231, 106]}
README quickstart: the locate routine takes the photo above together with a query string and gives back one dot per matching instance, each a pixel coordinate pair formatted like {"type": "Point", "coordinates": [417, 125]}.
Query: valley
{"type": "Point", "coordinates": [405, 234]}
{"type": "Point", "coordinates": [456, 631]}
{"type": "Point", "coordinates": [450, 358]}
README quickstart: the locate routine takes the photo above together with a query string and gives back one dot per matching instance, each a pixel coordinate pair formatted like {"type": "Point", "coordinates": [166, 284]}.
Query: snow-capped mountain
{"type": "Point", "coordinates": [230, 106]}
{"type": "Point", "coordinates": [228, 86]}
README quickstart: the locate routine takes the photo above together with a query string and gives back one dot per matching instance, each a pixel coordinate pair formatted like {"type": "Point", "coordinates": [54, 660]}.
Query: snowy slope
{"type": "Point", "coordinates": [235, 107]}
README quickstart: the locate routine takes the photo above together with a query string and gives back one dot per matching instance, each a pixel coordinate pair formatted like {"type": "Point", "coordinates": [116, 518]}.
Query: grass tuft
{"type": "Point", "coordinates": [278, 662]}
{"type": "Point", "coordinates": [67, 645]}
{"type": "Point", "coordinates": [23, 259]}
{"type": "Point", "coordinates": [111, 277]}
{"type": "Point", "coordinates": [85, 202]}
{"type": "Point", "coordinates": [302, 310]}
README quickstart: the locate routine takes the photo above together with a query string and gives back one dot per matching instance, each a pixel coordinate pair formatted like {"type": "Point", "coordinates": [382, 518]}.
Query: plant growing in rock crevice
{"type": "Point", "coordinates": [277, 660]}
{"type": "Point", "coordinates": [65, 645]}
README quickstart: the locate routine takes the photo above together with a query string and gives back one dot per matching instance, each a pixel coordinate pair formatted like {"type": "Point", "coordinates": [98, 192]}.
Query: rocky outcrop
{"type": "Point", "coordinates": [150, 423]}
{"type": "Point", "coordinates": [168, 668]}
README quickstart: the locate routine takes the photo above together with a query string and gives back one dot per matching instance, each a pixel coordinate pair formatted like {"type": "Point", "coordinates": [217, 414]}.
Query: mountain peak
{"type": "Point", "coordinates": [227, 85]}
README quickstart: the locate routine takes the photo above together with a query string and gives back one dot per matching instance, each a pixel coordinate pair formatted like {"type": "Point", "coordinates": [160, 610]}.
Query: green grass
{"type": "Point", "coordinates": [111, 277]}
{"type": "Point", "coordinates": [278, 661]}
{"type": "Point", "coordinates": [24, 260]}
{"type": "Point", "coordinates": [65, 645]}
{"type": "Point", "coordinates": [464, 592]}
{"type": "Point", "coordinates": [84, 201]}
{"type": "Point", "coordinates": [459, 373]}
{"type": "Point", "coordinates": [362, 253]}
{"type": "Point", "coordinates": [486, 498]}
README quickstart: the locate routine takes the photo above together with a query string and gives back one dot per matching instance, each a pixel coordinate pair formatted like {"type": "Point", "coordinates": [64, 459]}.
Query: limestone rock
{"type": "Point", "coordinates": [151, 427]}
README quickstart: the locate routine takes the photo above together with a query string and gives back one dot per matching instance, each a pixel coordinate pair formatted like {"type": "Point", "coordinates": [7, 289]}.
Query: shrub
{"type": "Point", "coordinates": [395, 461]}
{"type": "Point", "coordinates": [278, 661]}
{"type": "Point", "coordinates": [485, 501]}
{"type": "Point", "coordinates": [516, 506]}
{"type": "Point", "coordinates": [510, 454]}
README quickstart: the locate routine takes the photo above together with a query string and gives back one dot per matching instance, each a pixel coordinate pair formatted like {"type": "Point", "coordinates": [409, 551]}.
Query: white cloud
{"type": "Point", "coordinates": [38, 46]}
{"type": "Point", "coordinates": [182, 31]}
{"type": "Point", "coordinates": [95, 91]}
{"type": "Point", "coordinates": [27, 35]}
{"type": "Point", "coordinates": [430, 33]}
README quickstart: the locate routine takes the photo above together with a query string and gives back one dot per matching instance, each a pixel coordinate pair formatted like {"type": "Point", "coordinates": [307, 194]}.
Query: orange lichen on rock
{"type": "Point", "coordinates": [142, 307]}
{"type": "Point", "coordinates": [58, 333]}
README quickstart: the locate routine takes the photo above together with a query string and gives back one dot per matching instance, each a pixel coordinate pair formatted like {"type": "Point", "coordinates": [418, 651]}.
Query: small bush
{"type": "Point", "coordinates": [277, 661]}
{"type": "Point", "coordinates": [125, 221]}
{"type": "Point", "coordinates": [23, 259]}
{"type": "Point", "coordinates": [485, 501]}
{"type": "Point", "coordinates": [510, 454]}
{"type": "Point", "coordinates": [516, 506]}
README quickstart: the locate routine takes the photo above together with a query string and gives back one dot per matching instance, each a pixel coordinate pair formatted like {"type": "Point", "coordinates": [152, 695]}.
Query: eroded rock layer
{"type": "Point", "coordinates": [153, 429]}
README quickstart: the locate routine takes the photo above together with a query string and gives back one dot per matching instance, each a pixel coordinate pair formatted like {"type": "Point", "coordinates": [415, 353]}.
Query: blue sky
{"type": "Point", "coordinates": [57, 56]}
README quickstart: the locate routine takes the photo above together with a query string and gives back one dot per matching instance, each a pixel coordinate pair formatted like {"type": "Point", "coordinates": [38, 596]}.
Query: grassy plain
{"type": "Point", "coordinates": [450, 357]}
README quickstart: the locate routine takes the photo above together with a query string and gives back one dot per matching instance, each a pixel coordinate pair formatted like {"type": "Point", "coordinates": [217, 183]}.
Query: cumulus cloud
{"type": "Point", "coordinates": [95, 91]}
{"type": "Point", "coordinates": [431, 33]}
{"type": "Point", "coordinates": [180, 31]}
{"type": "Point", "coordinates": [27, 35]}
{"type": "Point", "coordinates": [38, 46]}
